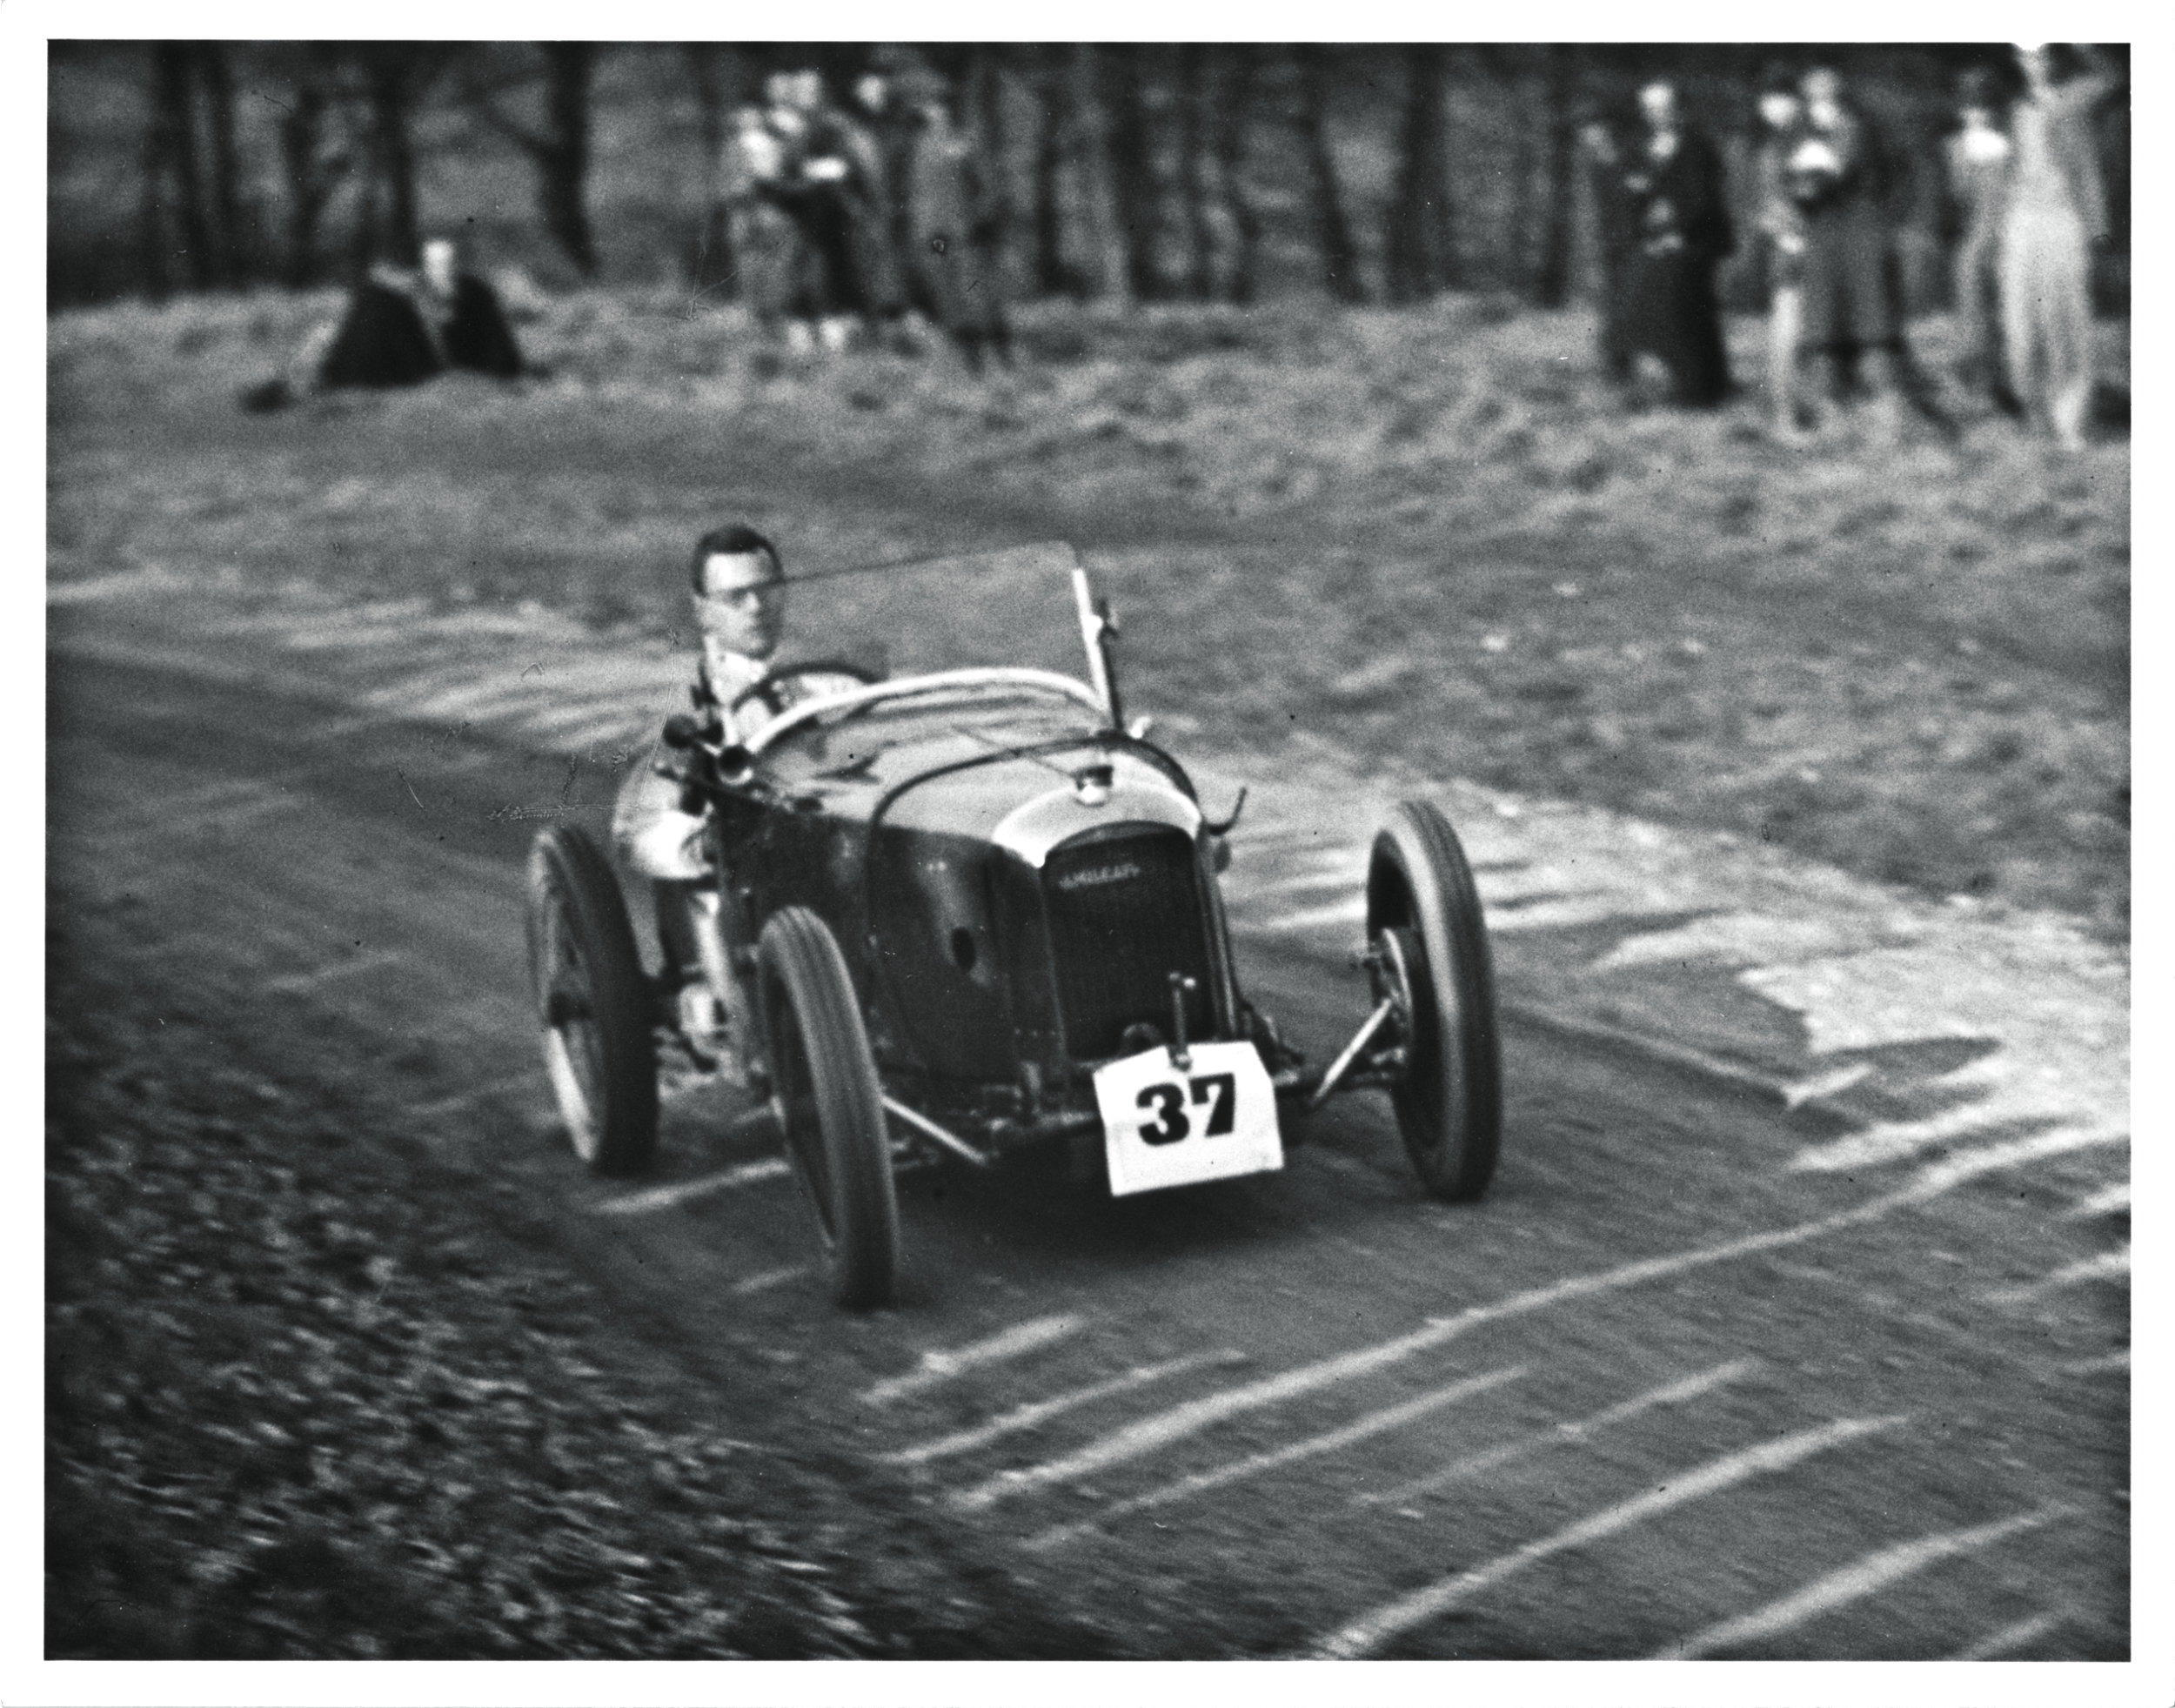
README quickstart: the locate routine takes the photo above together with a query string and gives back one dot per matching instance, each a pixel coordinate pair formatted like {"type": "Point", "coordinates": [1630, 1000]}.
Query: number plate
{"type": "Point", "coordinates": [1163, 1127]}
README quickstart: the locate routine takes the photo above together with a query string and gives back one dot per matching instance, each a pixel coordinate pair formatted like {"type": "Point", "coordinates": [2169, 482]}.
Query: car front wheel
{"type": "Point", "coordinates": [830, 1104]}
{"type": "Point", "coordinates": [1423, 918]}
{"type": "Point", "coordinates": [592, 1003]}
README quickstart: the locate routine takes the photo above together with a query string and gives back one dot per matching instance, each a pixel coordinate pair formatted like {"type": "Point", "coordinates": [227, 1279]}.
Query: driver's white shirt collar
{"type": "Point", "coordinates": [733, 674]}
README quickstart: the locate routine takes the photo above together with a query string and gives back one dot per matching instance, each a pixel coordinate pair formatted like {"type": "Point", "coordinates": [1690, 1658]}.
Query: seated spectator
{"type": "Point", "coordinates": [400, 328]}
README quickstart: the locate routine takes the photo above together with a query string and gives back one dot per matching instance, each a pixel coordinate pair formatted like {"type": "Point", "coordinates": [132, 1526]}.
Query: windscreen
{"type": "Point", "coordinates": [1013, 606]}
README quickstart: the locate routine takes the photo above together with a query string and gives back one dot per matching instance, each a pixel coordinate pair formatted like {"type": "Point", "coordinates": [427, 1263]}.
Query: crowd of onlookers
{"type": "Point", "coordinates": [868, 218]}
{"type": "Point", "coordinates": [2023, 173]}
{"type": "Point", "coordinates": [867, 221]}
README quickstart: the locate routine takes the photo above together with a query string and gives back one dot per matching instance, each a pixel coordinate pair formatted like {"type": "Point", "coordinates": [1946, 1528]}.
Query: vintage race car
{"type": "Point", "coordinates": [972, 909]}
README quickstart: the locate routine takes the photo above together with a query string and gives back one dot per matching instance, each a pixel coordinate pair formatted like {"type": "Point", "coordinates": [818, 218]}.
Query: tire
{"type": "Point", "coordinates": [1449, 1103]}
{"type": "Point", "coordinates": [592, 1003]}
{"type": "Point", "coordinates": [823, 1079]}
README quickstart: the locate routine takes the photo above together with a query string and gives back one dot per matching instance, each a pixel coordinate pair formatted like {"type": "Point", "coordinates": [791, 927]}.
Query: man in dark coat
{"type": "Point", "coordinates": [401, 328]}
{"type": "Point", "coordinates": [1674, 176]}
{"type": "Point", "coordinates": [957, 278]}
{"type": "Point", "coordinates": [1840, 176]}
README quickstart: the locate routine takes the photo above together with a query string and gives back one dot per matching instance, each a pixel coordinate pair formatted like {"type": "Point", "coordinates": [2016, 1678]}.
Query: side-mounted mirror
{"type": "Point", "coordinates": [682, 731]}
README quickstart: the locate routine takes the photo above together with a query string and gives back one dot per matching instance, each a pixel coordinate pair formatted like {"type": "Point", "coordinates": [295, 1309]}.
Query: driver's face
{"type": "Point", "coordinates": [742, 605]}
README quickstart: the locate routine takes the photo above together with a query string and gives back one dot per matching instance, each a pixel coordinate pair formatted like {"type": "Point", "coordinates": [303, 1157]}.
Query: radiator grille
{"type": "Point", "coordinates": [1124, 908]}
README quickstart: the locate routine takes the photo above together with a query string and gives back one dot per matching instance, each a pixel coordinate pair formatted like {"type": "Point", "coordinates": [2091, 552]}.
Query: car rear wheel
{"type": "Point", "coordinates": [830, 1104]}
{"type": "Point", "coordinates": [593, 1002]}
{"type": "Point", "coordinates": [1423, 917]}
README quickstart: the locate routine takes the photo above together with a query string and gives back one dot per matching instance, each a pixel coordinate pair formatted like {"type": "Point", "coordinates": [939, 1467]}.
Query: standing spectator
{"type": "Point", "coordinates": [952, 228]}
{"type": "Point", "coordinates": [884, 129]}
{"type": "Point", "coordinates": [829, 196]}
{"type": "Point", "coordinates": [1839, 178]}
{"type": "Point", "coordinates": [1978, 159]}
{"type": "Point", "coordinates": [1674, 180]}
{"type": "Point", "coordinates": [765, 237]}
{"type": "Point", "coordinates": [2055, 210]}
{"type": "Point", "coordinates": [1782, 231]}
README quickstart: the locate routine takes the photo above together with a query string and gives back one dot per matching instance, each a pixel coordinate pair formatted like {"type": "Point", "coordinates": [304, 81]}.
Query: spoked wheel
{"type": "Point", "coordinates": [830, 1104]}
{"type": "Point", "coordinates": [593, 1002]}
{"type": "Point", "coordinates": [1423, 918]}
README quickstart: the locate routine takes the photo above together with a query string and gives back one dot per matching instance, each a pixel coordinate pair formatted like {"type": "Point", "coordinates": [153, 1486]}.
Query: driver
{"type": "Point", "coordinates": [739, 595]}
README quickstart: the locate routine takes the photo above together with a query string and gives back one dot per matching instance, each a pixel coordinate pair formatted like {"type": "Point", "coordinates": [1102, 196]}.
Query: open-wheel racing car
{"type": "Point", "coordinates": [971, 909]}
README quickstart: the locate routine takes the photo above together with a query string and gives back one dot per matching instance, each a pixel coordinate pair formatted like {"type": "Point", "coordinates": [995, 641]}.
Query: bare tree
{"type": "Point", "coordinates": [987, 103]}
{"type": "Point", "coordinates": [394, 75]}
{"type": "Point", "coordinates": [716, 86]}
{"type": "Point", "coordinates": [1419, 247]}
{"type": "Point", "coordinates": [311, 163]}
{"type": "Point", "coordinates": [1131, 151]}
{"type": "Point", "coordinates": [1340, 260]}
{"type": "Point", "coordinates": [1234, 109]}
{"type": "Point", "coordinates": [1193, 97]}
{"type": "Point", "coordinates": [1552, 279]}
{"type": "Point", "coordinates": [175, 210]}
{"type": "Point", "coordinates": [1052, 109]}
{"type": "Point", "coordinates": [1113, 279]}
{"type": "Point", "coordinates": [233, 246]}
{"type": "Point", "coordinates": [559, 148]}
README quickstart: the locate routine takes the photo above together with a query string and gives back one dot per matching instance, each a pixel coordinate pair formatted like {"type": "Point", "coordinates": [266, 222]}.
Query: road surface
{"type": "Point", "coordinates": [1662, 1393]}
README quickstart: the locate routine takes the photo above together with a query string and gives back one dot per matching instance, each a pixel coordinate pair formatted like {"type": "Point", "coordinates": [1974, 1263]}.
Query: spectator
{"type": "Point", "coordinates": [765, 237]}
{"type": "Point", "coordinates": [1978, 159]}
{"type": "Point", "coordinates": [1782, 231]}
{"type": "Point", "coordinates": [885, 124]}
{"type": "Point", "coordinates": [826, 192]}
{"type": "Point", "coordinates": [400, 328]}
{"type": "Point", "coordinates": [2055, 210]}
{"type": "Point", "coordinates": [1674, 176]}
{"type": "Point", "coordinates": [1838, 176]}
{"type": "Point", "coordinates": [958, 280]}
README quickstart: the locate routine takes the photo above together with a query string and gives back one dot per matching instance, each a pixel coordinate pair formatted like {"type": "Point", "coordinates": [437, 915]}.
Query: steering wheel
{"type": "Point", "coordinates": [770, 690]}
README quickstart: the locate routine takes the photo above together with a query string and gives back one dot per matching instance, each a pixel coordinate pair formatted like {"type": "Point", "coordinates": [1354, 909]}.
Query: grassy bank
{"type": "Point", "coordinates": [1430, 537]}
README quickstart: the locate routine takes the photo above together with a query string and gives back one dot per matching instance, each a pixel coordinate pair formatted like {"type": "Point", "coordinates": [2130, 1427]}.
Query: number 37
{"type": "Point", "coordinates": [1172, 1123]}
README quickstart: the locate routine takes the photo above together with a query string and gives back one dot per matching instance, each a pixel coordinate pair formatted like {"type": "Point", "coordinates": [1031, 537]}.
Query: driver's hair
{"type": "Point", "coordinates": [735, 539]}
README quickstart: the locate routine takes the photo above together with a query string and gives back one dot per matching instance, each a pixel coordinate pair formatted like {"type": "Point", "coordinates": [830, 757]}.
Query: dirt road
{"type": "Point", "coordinates": [1662, 1393]}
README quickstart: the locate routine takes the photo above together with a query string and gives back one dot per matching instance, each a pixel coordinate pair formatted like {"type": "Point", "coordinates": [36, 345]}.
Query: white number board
{"type": "Point", "coordinates": [1166, 1126]}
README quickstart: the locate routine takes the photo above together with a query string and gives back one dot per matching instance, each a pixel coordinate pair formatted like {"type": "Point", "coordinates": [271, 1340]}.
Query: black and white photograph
{"type": "Point", "coordinates": [1171, 848]}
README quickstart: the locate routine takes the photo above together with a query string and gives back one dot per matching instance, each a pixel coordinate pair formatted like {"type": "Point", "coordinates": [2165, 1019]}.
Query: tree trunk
{"type": "Point", "coordinates": [1340, 260]}
{"type": "Point", "coordinates": [1192, 188]}
{"type": "Point", "coordinates": [562, 153]}
{"type": "Point", "coordinates": [712, 268]}
{"type": "Point", "coordinates": [389, 73]}
{"type": "Point", "coordinates": [986, 104]}
{"type": "Point", "coordinates": [1053, 115]}
{"type": "Point", "coordinates": [1524, 171]}
{"type": "Point", "coordinates": [1112, 278]}
{"type": "Point", "coordinates": [1417, 257]}
{"type": "Point", "coordinates": [178, 164]}
{"type": "Point", "coordinates": [1552, 279]}
{"type": "Point", "coordinates": [236, 244]}
{"type": "Point", "coordinates": [154, 240]}
{"type": "Point", "coordinates": [1233, 109]}
{"type": "Point", "coordinates": [1132, 169]}
{"type": "Point", "coordinates": [308, 185]}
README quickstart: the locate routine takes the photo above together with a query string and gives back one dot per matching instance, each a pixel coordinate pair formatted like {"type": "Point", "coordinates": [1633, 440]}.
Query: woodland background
{"type": "Point", "coordinates": [1124, 172]}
